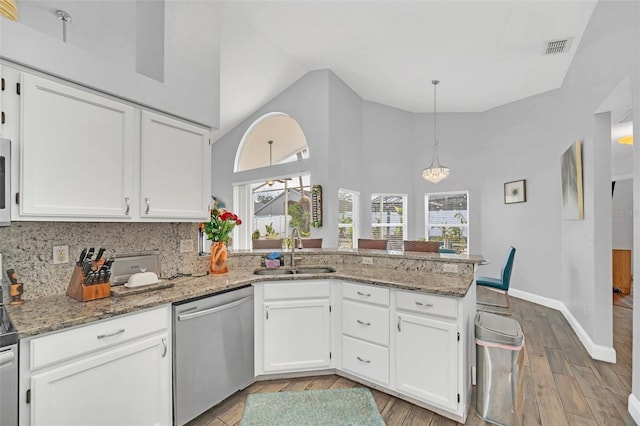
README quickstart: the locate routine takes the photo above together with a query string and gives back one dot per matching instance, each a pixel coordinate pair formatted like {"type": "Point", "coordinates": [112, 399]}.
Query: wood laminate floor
{"type": "Point", "coordinates": [563, 385]}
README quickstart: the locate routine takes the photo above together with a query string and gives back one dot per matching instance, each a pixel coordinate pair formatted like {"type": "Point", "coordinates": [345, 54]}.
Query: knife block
{"type": "Point", "coordinates": [79, 290]}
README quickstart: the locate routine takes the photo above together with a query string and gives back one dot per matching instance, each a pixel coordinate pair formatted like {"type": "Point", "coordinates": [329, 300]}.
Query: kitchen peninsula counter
{"type": "Point", "coordinates": [410, 271]}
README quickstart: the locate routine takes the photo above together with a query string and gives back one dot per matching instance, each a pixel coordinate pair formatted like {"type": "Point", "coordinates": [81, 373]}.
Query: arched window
{"type": "Point", "coordinates": [289, 143]}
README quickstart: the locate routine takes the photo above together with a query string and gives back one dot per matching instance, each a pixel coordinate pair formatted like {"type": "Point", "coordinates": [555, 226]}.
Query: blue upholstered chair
{"type": "Point", "coordinates": [502, 283]}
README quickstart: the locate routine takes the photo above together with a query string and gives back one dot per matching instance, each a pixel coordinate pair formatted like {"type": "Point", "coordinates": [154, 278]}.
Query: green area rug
{"type": "Point", "coordinates": [314, 407]}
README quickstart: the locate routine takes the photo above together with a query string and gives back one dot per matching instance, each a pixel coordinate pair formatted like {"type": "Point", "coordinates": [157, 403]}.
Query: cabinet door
{"type": "Point", "coordinates": [296, 335]}
{"type": "Point", "coordinates": [76, 152]}
{"type": "Point", "coordinates": [125, 386]}
{"type": "Point", "coordinates": [175, 169]}
{"type": "Point", "coordinates": [427, 359]}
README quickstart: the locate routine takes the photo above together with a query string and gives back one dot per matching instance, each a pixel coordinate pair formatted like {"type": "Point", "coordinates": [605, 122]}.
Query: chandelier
{"type": "Point", "coordinates": [435, 172]}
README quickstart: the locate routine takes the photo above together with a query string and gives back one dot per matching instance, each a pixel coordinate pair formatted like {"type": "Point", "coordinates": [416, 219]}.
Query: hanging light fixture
{"type": "Point", "coordinates": [9, 9]}
{"type": "Point", "coordinates": [65, 18]}
{"type": "Point", "coordinates": [435, 172]}
{"type": "Point", "coordinates": [270, 182]}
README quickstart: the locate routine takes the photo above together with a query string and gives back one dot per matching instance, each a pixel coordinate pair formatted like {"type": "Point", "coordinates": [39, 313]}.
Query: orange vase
{"type": "Point", "coordinates": [218, 258]}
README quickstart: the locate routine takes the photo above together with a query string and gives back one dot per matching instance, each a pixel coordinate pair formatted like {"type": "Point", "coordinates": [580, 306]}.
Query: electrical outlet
{"type": "Point", "coordinates": [60, 254]}
{"type": "Point", "coordinates": [449, 267]}
{"type": "Point", "coordinates": [367, 260]}
{"type": "Point", "coordinates": [186, 246]}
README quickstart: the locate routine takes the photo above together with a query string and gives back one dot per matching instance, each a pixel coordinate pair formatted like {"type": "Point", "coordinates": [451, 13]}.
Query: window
{"type": "Point", "coordinates": [347, 217]}
{"type": "Point", "coordinates": [280, 205]}
{"type": "Point", "coordinates": [389, 216]}
{"type": "Point", "coordinates": [447, 220]}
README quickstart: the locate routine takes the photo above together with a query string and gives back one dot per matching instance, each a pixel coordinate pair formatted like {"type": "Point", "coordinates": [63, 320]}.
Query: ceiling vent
{"type": "Point", "coordinates": [554, 47]}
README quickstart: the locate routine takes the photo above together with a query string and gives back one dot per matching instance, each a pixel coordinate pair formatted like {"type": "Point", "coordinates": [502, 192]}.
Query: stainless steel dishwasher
{"type": "Point", "coordinates": [213, 351]}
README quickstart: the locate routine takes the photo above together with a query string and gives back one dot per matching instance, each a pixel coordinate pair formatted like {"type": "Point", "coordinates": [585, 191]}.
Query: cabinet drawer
{"type": "Point", "coordinates": [427, 304]}
{"type": "Point", "coordinates": [366, 293]}
{"type": "Point", "coordinates": [60, 346]}
{"type": "Point", "coordinates": [364, 321]}
{"type": "Point", "coordinates": [297, 290]}
{"type": "Point", "coordinates": [365, 359]}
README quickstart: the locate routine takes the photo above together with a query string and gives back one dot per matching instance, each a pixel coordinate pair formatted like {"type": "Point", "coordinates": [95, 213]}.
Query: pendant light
{"type": "Point", "coordinates": [435, 172]}
{"type": "Point", "coordinates": [65, 18]}
{"type": "Point", "coordinates": [270, 182]}
{"type": "Point", "coordinates": [9, 9]}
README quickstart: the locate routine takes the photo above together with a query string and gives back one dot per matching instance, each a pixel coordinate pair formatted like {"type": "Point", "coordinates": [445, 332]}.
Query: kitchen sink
{"type": "Point", "coordinates": [314, 270]}
{"type": "Point", "coordinates": [297, 270]}
{"type": "Point", "coordinates": [273, 272]}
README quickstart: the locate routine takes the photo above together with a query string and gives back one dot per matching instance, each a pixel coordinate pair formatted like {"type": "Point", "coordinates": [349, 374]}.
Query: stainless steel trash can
{"type": "Point", "coordinates": [499, 369]}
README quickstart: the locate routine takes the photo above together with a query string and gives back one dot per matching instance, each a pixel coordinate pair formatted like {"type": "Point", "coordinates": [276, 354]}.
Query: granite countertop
{"type": "Point", "coordinates": [58, 312]}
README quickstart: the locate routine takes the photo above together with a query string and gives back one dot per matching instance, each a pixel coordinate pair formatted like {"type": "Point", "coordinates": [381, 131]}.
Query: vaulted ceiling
{"type": "Point", "coordinates": [486, 53]}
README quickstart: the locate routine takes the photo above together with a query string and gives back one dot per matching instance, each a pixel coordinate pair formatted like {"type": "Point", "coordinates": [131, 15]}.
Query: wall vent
{"type": "Point", "coordinates": [553, 47]}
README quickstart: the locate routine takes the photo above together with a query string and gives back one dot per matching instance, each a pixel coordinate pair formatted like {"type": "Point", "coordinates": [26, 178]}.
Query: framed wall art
{"type": "Point", "coordinates": [515, 192]}
{"type": "Point", "coordinates": [572, 196]}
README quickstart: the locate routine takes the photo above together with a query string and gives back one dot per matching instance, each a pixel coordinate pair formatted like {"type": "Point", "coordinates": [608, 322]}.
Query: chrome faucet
{"type": "Point", "coordinates": [294, 243]}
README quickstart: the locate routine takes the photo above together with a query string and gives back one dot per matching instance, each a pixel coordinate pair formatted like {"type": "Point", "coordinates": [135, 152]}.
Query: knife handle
{"type": "Point", "coordinates": [100, 253]}
{"type": "Point", "coordinates": [13, 277]}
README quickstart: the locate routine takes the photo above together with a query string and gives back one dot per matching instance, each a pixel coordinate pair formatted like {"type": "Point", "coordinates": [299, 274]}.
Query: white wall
{"type": "Point", "coordinates": [622, 215]}
{"type": "Point", "coordinates": [562, 260]}
{"type": "Point", "coordinates": [191, 62]}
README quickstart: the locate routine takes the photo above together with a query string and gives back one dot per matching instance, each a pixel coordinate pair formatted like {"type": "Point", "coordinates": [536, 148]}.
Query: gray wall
{"type": "Point", "coordinates": [635, 83]}
{"type": "Point", "coordinates": [191, 77]}
{"type": "Point", "coordinates": [567, 261]}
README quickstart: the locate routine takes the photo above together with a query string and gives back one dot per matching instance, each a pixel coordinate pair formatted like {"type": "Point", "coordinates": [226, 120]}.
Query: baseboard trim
{"type": "Point", "coordinates": [599, 352]}
{"type": "Point", "coordinates": [634, 408]}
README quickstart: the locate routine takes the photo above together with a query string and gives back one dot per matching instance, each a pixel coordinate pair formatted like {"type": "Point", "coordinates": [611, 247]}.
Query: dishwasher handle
{"type": "Point", "coordinates": [6, 357]}
{"type": "Point", "coordinates": [193, 315]}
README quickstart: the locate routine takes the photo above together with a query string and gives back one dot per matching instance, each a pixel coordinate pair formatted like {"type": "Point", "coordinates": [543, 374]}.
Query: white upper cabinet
{"type": "Point", "coordinates": [80, 155]}
{"type": "Point", "coordinates": [175, 169]}
{"type": "Point", "coordinates": [76, 150]}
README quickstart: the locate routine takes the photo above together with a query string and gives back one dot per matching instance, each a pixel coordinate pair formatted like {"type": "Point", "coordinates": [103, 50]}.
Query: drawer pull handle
{"type": "Point", "coordinates": [366, 361]}
{"type": "Point", "coordinates": [127, 200]}
{"type": "Point", "coordinates": [148, 203]}
{"type": "Point", "coordinates": [426, 305]}
{"type": "Point", "coordinates": [364, 294]}
{"type": "Point", "coordinates": [266, 312]}
{"type": "Point", "coordinates": [399, 321]}
{"type": "Point", "coordinates": [115, 333]}
{"type": "Point", "coordinates": [363, 323]}
{"type": "Point", "coordinates": [164, 342]}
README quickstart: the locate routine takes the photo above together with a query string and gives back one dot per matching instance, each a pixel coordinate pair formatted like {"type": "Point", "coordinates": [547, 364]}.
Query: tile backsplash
{"type": "Point", "coordinates": [27, 247]}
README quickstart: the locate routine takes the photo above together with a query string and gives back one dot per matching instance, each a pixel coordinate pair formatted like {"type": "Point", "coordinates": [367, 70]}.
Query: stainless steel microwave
{"type": "Point", "coordinates": [5, 182]}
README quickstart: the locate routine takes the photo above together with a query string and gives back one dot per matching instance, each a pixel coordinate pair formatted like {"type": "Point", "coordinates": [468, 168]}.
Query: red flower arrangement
{"type": "Point", "coordinates": [220, 225]}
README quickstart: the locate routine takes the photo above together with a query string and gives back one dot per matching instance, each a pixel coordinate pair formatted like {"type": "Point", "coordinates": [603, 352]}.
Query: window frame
{"type": "Point", "coordinates": [405, 210]}
{"type": "Point", "coordinates": [462, 226]}
{"type": "Point", "coordinates": [355, 202]}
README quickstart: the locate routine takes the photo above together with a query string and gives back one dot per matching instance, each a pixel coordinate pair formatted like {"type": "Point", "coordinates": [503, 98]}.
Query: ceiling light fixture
{"type": "Point", "coordinates": [9, 9]}
{"type": "Point", "coordinates": [435, 172]}
{"type": "Point", "coordinates": [626, 140]}
{"type": "Point", "coordinates": [270, 182]}
{"type": "Point", "coordinates": [66, 19]}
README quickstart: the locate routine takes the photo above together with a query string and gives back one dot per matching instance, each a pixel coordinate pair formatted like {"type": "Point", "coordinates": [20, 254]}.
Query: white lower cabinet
{"type": "Point", "coordinates": [427, 359]}
{"type": "Point", "coordinates": [366, 360]}
{"type": "Point", "coordinates": [295, 324]}
{"type": "Point", "coordinates": [124, 379]}
{"type": "Point", "coordinates": [418, 346]}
